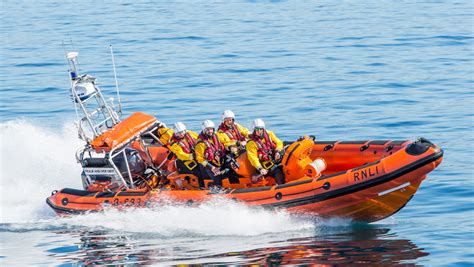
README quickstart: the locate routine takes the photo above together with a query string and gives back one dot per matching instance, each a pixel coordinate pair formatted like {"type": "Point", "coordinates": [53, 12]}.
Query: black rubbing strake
{"type": "Point", "coordinates": [249, 190]}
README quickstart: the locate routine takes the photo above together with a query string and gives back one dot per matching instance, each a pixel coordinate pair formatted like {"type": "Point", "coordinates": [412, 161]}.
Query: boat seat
{"type": "Point", "coordinates": [95, 162]}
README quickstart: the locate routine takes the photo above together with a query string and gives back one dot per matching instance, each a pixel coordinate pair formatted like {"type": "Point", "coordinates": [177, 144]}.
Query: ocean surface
{"type": "Point", "coordinates": [341, 70]}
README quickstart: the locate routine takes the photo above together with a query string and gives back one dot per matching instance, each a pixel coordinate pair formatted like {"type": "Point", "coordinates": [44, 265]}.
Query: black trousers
{"type": "Point", "coordinates": [277, 172]}
{"type": "Point", "coordinates": [196, 171]}
{"type": "Point", "coordinates": [217, 179]}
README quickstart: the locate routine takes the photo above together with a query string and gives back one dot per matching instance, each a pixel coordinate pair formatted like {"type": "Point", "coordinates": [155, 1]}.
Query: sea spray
{"type": "Point", "coordinates": [212, 218]}
{"type": "Point", "coordinates": [34, 161]}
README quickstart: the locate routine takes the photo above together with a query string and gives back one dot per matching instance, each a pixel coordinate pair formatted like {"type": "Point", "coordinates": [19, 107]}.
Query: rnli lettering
{"type": "Point", "coordinates": [366, 173]}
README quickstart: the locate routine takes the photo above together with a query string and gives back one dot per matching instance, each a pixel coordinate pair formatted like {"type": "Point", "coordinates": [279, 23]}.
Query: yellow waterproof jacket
{"type": "Point", "coordinates": [201, 153]}
{"type": "Point", "coordinates": [252, 150]}
{"type": "Point", "coordinates": [227, 140]}
{"type": "Point", "coordinates": [176, 148]}
{"type": "Point", "coordinates": [164, 135]}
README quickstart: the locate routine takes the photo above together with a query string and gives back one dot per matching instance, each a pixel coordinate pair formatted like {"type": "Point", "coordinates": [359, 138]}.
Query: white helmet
{"type": "Point", "coordinates": [258, 123]}
{"type": "Point", "coordinates": [179, 127]}
{"type": "Point", "coordinates": [161, 124]}
{"type": "Point", "coordinates": [208, 124]}
{"type": "Point", "coordinates": [228, 114]}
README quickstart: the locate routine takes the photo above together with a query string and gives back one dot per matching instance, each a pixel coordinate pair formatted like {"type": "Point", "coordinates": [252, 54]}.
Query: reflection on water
{"type": "Point", "coordinates": [345, 249]}
{"type": "Point", "coordinates": [350, 245]}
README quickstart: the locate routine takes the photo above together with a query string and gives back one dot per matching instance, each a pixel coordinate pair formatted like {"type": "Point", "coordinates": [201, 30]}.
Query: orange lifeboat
{"type": "Point", "coordinates": [361, 180]}
{"type": "Point", "coordinates": [125, 165]}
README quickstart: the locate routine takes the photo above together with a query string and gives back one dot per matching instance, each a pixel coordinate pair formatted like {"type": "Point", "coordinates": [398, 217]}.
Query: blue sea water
{"type": "Point", "coordinates": [341, 70]}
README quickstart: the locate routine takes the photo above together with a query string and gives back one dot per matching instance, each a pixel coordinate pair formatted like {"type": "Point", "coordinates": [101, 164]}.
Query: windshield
{"type": "Point", "coordinates": [135, 162]}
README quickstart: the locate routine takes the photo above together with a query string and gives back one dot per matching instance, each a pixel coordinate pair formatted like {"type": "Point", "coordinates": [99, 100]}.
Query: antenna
{"type": "Point", "coordinates": [65, 52]}
{"type": "Point", "coordinates": [116, 81]}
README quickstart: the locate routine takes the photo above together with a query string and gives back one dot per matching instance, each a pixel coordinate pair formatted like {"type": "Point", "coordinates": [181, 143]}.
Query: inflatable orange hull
{"type": "Point", "coordinates": [364, 181]}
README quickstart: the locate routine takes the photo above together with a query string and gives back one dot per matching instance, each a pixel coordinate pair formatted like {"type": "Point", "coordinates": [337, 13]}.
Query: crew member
{"type": "Point", "coordinates": [163, 133]}
{"type": "Point", "coordinates": [231, 134]}
{"type": "Point", "coordinates": [182, 144]}
{"type": "Point", "coordinates": [264, 151]}
{"type": "Point", "coordinates": [210, 154]}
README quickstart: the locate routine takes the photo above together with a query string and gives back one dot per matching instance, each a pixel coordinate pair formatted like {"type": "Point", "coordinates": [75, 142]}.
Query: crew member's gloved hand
{"type": "Point", "coordinates": [277, 156]}
{"type": "Point", "coordinates": [215, 170]}
{"type": "Point", "coordinates": [263, 171]}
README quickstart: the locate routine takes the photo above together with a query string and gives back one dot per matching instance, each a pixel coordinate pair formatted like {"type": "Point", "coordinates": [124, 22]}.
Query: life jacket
{"type": "Point", "coordinates": [266, 150]}
{"type": "Point", "coordinates": [232, 131]}
{"type": "Point", "coordinates": [215, 150]}
{"type": "Point", "coordinates": [187, 143]}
